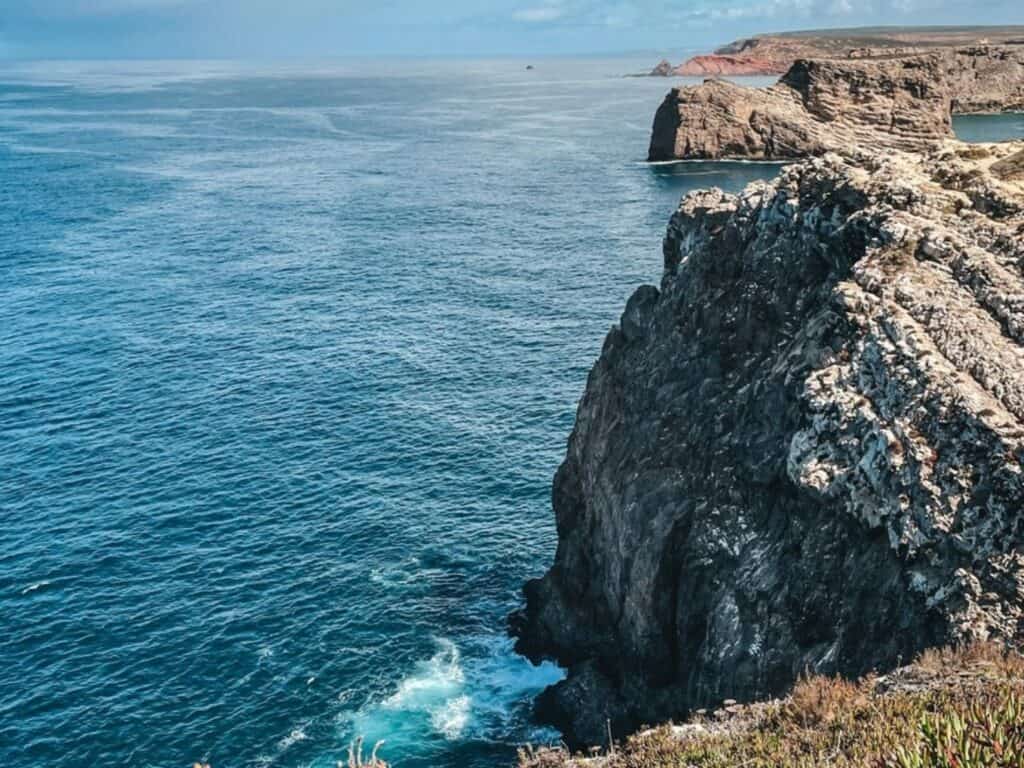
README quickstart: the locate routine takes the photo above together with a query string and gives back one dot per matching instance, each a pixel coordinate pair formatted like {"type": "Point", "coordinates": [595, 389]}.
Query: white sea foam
{"type": "Point", "coordinates": [35, 587]}
{"type": "Point", "coordinates": [296, 735]}
{"type": "Point", "coordinates": [431, 699]}
{"type": "Point", "coordinates": [450, 720]}
{"type": "Point", "coordinates": [436, 680]}
{"type": "Point", "coordinates": [399, 574]}
{"type": "Point", "coordinates": [474, 695]}
{"type": "Point", "coordinates": [717, 162]}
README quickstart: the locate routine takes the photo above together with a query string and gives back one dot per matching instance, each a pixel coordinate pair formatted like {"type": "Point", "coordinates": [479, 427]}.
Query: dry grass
{"type": "Point", "coordinates": [998, 658]}
{"type": "Point", "coordinates": [838, 723]}
{"type": "Point", "coordinates": [817, 701]}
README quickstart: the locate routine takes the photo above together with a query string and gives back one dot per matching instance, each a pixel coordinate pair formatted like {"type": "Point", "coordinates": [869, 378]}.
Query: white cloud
{"type": "Point", "coordinates": [540, 13]}
{"type": "Point", "coordinates": [805, 9]}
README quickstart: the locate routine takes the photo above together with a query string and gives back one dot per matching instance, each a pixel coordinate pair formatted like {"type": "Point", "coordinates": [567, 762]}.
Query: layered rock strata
{"type": "Point", "coordinates": [904, 103]}
{"type": "Point", "coordinates": [804, 451]}
{"type": "Point", "coordinates": [775, 54]}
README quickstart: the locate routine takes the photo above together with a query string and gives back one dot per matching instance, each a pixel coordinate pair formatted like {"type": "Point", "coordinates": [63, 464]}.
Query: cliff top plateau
{"type": "Point", "coordinates": [775, 53]}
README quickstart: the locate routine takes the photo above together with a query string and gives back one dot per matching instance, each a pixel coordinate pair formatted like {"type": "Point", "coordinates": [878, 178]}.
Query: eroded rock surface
{"type": "Point", "coordinates": [903, 103]}
{"type": "Point", "coordinates": [804, 451]}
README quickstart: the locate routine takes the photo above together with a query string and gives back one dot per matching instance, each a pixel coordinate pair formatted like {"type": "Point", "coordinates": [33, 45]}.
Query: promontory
{"type": "Point", "coordinates": [803, 451]}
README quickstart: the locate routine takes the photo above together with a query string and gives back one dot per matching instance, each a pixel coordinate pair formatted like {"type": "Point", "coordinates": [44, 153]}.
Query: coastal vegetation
{"type": "Point", "coordinates": [953, 708]}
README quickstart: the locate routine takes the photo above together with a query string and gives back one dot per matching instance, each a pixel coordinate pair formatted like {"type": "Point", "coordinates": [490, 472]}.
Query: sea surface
{"type": "Point", "coordinates": [981, 128]}
{"type": "Point", "coordinates": [288, 357]}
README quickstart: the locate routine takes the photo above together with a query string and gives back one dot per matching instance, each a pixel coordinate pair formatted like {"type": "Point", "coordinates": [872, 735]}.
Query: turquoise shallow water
{"type": "Point", "coordinates": [288, 357]}
{"type": "Point", "coordinates": [980, 128]}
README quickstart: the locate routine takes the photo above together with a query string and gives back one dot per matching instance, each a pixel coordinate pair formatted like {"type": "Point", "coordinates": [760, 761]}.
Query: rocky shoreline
{"type": "Point", "coordinates": [804, 450]}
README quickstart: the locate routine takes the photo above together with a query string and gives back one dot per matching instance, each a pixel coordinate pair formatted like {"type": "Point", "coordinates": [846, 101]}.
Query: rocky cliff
{"type": "Point", "coordinates": [804, 451]}
{"type": "Point", "coordinates": [774, 54]}
{"type": "Point", "coordinates": [902, 103]}
{"type": "Point", "coordinates": [721, 65]}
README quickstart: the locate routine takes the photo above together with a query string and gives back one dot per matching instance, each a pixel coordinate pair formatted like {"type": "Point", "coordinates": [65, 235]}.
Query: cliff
{"type": "Point", "coordinates": [803, 452]}
{"type": "Point", "coordinates": [721, 65]}
{"type": "Point", "coordinates": [903, 103]}
{"type": "Point", "coordinates": [776, 53]}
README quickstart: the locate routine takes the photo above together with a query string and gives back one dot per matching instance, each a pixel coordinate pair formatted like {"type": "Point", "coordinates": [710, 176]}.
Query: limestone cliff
{"type": "Point", "coordinates": [804, 450]}
{"type": "Point", "coordinates": [903, 103]}
{"type": "Point", "coordinates": [776, 53]}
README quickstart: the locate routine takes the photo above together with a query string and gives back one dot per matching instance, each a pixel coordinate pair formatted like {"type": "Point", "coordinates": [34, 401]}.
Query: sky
{"type": "Point", "coordinates": [320, 28]}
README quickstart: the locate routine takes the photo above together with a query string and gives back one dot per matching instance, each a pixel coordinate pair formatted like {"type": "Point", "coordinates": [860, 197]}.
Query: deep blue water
{"type": "Point", "coordinates": [288, 357]}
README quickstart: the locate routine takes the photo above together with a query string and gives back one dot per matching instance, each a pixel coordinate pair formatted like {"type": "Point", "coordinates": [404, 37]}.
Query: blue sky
{"type": "Point", "coordinates": [313, 28]}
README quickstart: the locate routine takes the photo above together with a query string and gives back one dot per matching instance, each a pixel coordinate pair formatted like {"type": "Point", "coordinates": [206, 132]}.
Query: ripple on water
{"type": "Point", "coordinates": [287, 362]}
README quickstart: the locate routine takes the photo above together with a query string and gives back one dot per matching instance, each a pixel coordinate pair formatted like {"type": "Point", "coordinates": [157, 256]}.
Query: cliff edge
{"type": "Point", "coordinates": [776, 53]}
{"type": "Point", "coordinates": [804, 451]}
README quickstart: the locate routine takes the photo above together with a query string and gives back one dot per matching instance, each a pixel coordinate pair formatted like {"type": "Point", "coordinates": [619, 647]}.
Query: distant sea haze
{"type": "Point", "coordinates": [287, 361]}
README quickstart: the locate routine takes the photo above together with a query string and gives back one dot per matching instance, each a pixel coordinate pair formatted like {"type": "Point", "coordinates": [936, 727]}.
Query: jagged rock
{"type": "Point", "coordinates": [1010, 168]}
{"type": "Point", "coordinates": [805, 451]}
{"type": "Point", "coordinates": [903, 103]}
{"type": "Point", "coordinates": [664, 68]}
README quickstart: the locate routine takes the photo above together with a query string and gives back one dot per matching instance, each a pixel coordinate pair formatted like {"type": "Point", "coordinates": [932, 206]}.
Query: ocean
{"type": "Point", "coordinates": [288, 357]}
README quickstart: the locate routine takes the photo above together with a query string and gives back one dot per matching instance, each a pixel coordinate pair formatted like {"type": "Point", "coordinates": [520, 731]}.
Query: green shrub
{"type": "Point", "coordinates": [989, 734]}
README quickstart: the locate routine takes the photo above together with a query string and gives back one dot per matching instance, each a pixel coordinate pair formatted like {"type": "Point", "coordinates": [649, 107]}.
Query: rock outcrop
{"type": "Point", "coordinates": [804, 451]}
{"type": "Point", "coordinates": [903, 103]}
{"type": "Point", "coordinates": [986, 79]}
{"type": "Point", "coordinates": [662, 69]}
{"type": "Point", "coordinates": [720, 65]}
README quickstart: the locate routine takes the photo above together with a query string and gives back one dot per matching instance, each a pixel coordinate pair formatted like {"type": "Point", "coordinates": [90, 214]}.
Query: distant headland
{"type": "Point", "coordinates": [774, 53]}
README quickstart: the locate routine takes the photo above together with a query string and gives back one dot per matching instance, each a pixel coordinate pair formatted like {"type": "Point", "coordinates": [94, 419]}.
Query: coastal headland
{"type": "Point", "coordinates": [774, 54]}
{"type": "Point", "coordinates": [803, 451]}
{"type": "Point", "coordinates": [878, 102]}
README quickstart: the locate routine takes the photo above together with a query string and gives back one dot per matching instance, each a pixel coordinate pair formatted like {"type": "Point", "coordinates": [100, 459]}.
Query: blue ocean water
{"type": "Point", "coordinates": [981, 128]}
{"type": "Point", "coordinates": [288, 357]}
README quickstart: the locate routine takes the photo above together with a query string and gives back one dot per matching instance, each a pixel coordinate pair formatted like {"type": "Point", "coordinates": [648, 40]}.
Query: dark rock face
{"type": "Point", "coordinates": [663, 68]}
{"type": "Point", "coordinates": [803, 452]}
{"type": "Point", "coordinates": [903, 103]}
